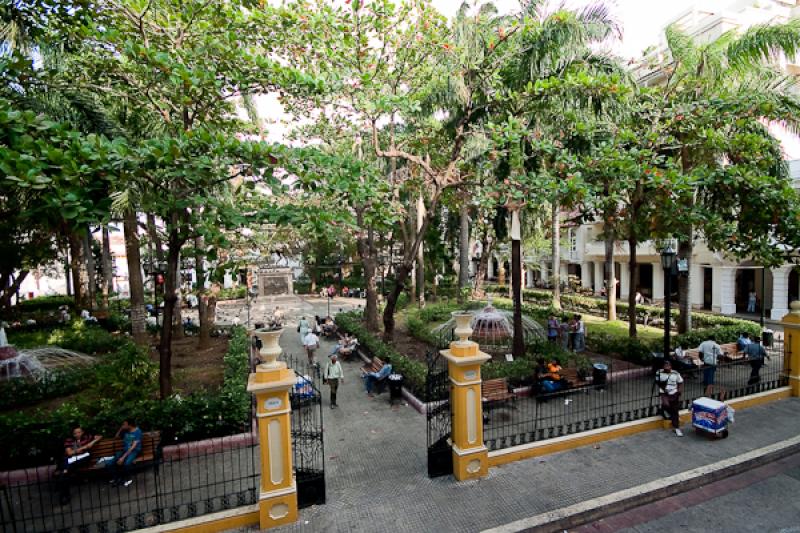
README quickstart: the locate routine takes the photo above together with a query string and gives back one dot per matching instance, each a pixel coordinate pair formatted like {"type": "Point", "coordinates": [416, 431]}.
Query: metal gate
{"type": "Point", "coordinates": [440, 423]}
{"type": "Point", "coordinates": [307, 433]}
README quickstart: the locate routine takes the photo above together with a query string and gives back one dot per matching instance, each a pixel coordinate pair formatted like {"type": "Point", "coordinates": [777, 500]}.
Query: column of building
{"type": "Point", "coordinates": [780, 292]}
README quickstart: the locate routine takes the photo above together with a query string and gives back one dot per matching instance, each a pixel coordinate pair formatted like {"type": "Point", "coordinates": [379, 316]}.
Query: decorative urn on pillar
{"type": "Point", "coordinates": [270, 348]}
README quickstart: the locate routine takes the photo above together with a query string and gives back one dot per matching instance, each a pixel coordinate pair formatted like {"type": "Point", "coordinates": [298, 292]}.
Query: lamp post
{"type": "Point", "coordinates": [667, 263]}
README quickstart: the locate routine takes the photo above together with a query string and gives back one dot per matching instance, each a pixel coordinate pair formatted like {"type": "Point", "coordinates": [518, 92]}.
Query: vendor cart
{"type": "Point", "coordinates": [710, 417]}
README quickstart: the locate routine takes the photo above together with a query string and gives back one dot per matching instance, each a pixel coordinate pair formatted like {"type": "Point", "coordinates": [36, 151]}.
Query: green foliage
{"type": "Point", "coordinates": [628, 349]}
{"type": "Point", "coordinates": [123, 384]}
{"type": "Point", "coordinates": [79, 336]}
{"type": "Point", "coordinates": [723, 334]}
{"type": "Point", "coordinates": [61, 382]}
{"type": "Point", "coordinates": [413, 371]}
{"type": "Point", "coordinates": [233, 293]}
{"type": "Point", "coordinates": [45, 303]}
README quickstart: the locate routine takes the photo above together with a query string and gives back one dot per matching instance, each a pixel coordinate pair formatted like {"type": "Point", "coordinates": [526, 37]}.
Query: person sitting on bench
{"type": "Point", "coordinates": [552, 380]}
{"type": "Point", "coordinates": [347, 347]}
{"type": "Point", "coordinates": [328, 328]}
{"type": "Point", "coordinates": [76, 453]}
{"type": "Point", "coordinates": [539, 374]}
{"type": "Point", "coordinates": [370, 378]}
{"type": "Point", "coordinates": [680, 361]}
{"type": "Point", "coordinates": [131, 448]}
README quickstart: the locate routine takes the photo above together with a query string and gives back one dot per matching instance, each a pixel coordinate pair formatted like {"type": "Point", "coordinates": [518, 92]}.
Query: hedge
{"type": "Point", "coordinates": [45, 303]}
{"type": "Point", "coordinates": [598, 306]}
{"type": "Point", "coordinates": [124, 385]}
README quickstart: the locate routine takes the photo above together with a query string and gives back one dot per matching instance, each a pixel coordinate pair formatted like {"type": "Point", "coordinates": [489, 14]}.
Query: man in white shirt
{"type": "Point", "coordinates": [310, 343]}
{"type": "Point", "coordinates": [670, 387]}
{"type": "Point", "coordinates": [709, 353]}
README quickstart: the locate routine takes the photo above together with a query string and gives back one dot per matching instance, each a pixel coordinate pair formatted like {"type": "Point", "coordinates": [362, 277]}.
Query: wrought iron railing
{"type": "Point", "coordinates": [624, 397]}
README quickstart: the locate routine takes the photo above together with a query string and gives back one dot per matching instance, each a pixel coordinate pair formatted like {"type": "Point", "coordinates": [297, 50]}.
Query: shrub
{"type": "Point", "coordinates": [723, 334]}
{"type": "Point", "coordinates": [232, 293]}
{"type": "Point", "coordinates": [61, 382]}
{"type": "Point", "coordinates": [45, 303]}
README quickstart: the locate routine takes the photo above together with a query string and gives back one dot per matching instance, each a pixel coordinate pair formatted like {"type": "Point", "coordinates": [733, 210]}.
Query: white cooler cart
{"type": "Point", "coordinates": [710, 417]}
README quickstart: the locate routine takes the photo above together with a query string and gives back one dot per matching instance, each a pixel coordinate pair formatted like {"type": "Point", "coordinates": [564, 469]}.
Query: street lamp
{"type": "Point", "coordinates": [667, 263]}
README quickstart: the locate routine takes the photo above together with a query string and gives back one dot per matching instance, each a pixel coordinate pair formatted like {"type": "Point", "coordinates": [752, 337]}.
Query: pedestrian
{"type": "Point", "coordinates": [743, 341]}
{"type": "Point", "coordinates": [751, 301]}
{"type": "Point", "coordinates": [334, 376]}
{"type": "Point", "coordinates": [580, 334]}
{"type": "Point", "coordinates": [670, 387]}
{"type": "Point", "coordinates": [552, 329]}
{"type": "Point", "coordinates": [755, 356]}
{"type": "Point", "coordinates": [303, 327]}
{"type": "Point", "coordinates": [709, 352]}
{"type": "Point", "coordinates": [310, 343]}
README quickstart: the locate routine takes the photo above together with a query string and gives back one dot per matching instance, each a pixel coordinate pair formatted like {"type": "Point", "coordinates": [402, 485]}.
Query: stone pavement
{"type": "Point", "coordinates": [376, 466]}
{"type": "Point", "coordinates": [763, 499]}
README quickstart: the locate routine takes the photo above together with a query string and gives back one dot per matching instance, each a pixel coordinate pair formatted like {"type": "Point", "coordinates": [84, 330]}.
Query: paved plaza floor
{"type": "Point", "coordinates": [377, 479]}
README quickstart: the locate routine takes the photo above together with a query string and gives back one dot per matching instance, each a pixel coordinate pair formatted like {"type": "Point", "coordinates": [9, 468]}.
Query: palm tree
{"type": "Point", "coordinates": [733, 68]}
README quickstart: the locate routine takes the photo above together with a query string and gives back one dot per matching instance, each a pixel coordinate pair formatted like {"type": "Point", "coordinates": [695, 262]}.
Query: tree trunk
{"type": "Point", "coordinates": [88, 256]}
{"type": "Point", "coordinates": [556, 247]}
{"type": "Point", "coordinates": [170, 297]}
{"type": "Point", "coordinates": [685, 250]}
{"type": "Point", "coordinates": [463, 256]}
{"type": "Point", "coordinates": [633, 274]}
{"type": "Point", "coordinates": [368, 254]}
{"type": "Point", "coordinates": [177, 326]}
{"type": "Point", "coordinates": [420, 255]}
{"type": "Point", "coordinates": [487, 245]}
{"type": "Point", "coordinates": [80, 278]}
{"type": "Point", "coordinates": [135, 280]}
{"type": "Point", "coordinates": [155, 240]}
{"type": "Point", "coordinates": [202, 294]}
{"type": "Point", "coordinates": [108, 282]}
{"type": "Point", "coordinates": [516, 284]}
{"type": "Point", "coordinates": [9, 290]}
{"type": "Point", "coordinates": [402, 272]}
{"type": "Point", "coordinates": [611, 277]}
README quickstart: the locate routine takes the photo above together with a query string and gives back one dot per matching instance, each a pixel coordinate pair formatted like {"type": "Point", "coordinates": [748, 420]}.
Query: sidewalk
{"type": "Point", "coordinates": [376, 467]}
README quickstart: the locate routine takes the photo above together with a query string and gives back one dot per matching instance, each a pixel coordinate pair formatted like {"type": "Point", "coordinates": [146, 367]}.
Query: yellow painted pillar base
{"type": "Point", "coordinates": [470, 464]}
{"type": "Point", "coordinates": [277, 503]}
{"type": "Point", "coordinates": [791, 347]}
{"type": "Point", "coordinates": [464, 358]}
{"type": "Point", "coordinates": [277, 508]}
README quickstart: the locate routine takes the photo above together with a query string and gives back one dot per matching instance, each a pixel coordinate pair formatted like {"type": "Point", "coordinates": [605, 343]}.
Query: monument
{"type": "Point", "coordinates": [275, 281]}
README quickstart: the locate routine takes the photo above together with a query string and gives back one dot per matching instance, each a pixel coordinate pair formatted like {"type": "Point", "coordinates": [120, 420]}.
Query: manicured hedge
{"type": "Point", "coordinates": [45, 303]}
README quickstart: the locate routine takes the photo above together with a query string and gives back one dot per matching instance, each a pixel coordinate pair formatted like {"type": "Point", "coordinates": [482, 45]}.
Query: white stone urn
{"type": "Point", "coordinates": [463, 328]}
{"type": "Point", "coordinates": [270, 347]}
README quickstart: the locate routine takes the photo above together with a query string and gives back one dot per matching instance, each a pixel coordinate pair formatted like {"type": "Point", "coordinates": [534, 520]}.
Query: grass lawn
{"type": "Point", "coordinates": [619, 328]}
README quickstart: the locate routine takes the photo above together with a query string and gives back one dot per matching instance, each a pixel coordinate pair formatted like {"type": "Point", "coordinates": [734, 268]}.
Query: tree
{"type": "Point", "coordinates": [738, 76]}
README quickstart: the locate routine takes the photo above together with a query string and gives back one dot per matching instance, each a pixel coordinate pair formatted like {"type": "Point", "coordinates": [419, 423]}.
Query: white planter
{"type": "Point", "coordinates": [463, 328]}
{"type": "Point", "coordinates": [270, 347]}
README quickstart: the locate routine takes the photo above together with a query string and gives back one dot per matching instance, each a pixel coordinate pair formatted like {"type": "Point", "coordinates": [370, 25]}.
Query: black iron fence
{"type": "Point", "coordinates": [625, 396]}
{"type": "Point", "coordinates": [308, 444]}
{"type": "Point", "coordinates": [439, 416]}
{"type": "Point", "coordinates": [183, 481]}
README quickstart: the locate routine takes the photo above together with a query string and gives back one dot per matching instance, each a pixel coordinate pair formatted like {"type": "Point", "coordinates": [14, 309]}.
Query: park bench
{"type": "Point", "coordinates": [574, 384]}
{"type": "Point", "coordinates": [496, 393]}
{"type": "Point", "coordinates": [375, 366]}
{"type": "Point", "coordinates": [107, 447]}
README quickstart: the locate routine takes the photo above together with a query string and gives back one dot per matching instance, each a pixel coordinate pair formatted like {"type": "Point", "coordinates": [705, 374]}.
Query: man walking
{"type": "Point", "coordinates": [334, 375]}
{"type": "Point", "coordinates": [710, 352]}
{"type": "Point", "coordinates": [310, 343]}
{"type": "Point", "coordinates": [755, 356]}
{"type": "Point", "coordinates": [670, 387]}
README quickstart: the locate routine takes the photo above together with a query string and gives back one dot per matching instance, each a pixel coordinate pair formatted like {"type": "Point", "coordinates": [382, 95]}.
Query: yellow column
{"type": "Point", "coordinates": [470, 456]}
{"type": "Point", "coordinates": [791, 346]}
{"type": "Point", "coordinates": [271, 384]}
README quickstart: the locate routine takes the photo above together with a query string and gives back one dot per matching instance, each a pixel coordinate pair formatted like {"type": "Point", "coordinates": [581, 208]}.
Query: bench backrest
{"type": "Point", "coordinates": [109, 446]}
{"type": "Point", "coordinates": [494, 386]}
{"type": "Point", "coordinates": [377, 364]}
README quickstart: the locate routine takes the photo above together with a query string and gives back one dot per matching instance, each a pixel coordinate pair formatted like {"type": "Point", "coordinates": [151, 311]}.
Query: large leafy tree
{"type": "Point", "coordinates": [715, 93]}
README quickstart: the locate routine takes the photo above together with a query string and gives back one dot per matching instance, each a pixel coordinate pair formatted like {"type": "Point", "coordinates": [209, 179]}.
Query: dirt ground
{"type": "Point", "coordinates": [197, 369]}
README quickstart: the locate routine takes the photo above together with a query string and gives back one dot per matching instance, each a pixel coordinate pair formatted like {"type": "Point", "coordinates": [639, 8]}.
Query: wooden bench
{"type": "Point", "coordinates": [574, 383]}
{"type": "Point", "coordinates": [375, 366]}
{"type": "Point", "coordinates": [496, 391]}
{"type": "Point", "coordinates": [107, 447]}
{"type": "Point", "coordinates": [730, 352]}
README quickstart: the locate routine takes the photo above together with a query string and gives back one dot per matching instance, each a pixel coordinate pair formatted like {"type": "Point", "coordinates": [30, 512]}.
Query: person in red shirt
{"type": "Point", "coordinates": [76, 453]}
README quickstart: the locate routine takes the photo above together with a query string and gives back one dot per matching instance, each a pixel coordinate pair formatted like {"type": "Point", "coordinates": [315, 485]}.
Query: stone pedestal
{"type": "Point", "coordinates": [470, 456]}
{"type": "Point", "coordinates": [271, 384]}
{"type": "Point", "coordinates": [275, 282]}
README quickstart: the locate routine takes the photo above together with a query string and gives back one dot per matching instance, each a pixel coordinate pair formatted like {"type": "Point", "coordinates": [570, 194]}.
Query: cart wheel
{"type": "Point", "coordinates": [724, 434]}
